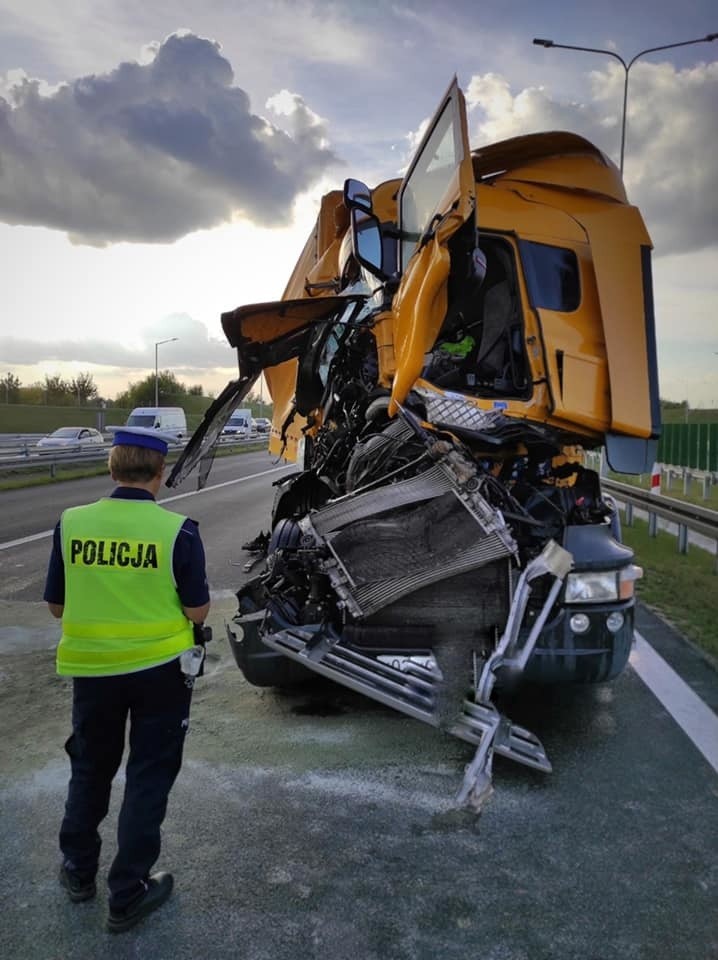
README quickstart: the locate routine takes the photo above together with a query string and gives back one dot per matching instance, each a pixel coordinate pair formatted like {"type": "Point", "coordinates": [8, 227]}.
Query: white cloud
{"type": "Point", "coordinates": [137, 294]}
{"type": "Point", "coordinates": [194, 348]}
{"type": "Point", "coordinates": [671, 139]}
{"type": "Point", "coordinates": [671, 136]}
{"type": "Point", "coordinates": [150, 152]}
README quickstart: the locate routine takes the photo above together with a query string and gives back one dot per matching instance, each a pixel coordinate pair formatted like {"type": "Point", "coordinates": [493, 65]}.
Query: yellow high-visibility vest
{"type": "Point", "coordinates": [122, 611]}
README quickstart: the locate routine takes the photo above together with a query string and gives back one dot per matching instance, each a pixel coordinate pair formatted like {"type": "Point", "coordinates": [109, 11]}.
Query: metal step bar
{"type": "Point", "coordinates": [413, 690]}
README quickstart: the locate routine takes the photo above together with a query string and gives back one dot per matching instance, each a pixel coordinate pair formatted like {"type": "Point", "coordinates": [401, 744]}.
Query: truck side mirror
{"type": "Point", "coordinates": [357, 195]}
{"type": "Point", "coordinates": [367, 241]}
{"type": "Point", "coordinates": [366, 234]}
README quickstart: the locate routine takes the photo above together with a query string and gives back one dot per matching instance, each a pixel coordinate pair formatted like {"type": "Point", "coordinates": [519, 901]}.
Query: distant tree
{"type": "Point", "coordinates": [10, 389]}
{"type": "Point", "coordinates": [58, 392]}
{"type": "Point", "coordinates": [33, 393]}
{"type": "Point", "coordinates": [142, 393]}
{"type": "Point", "coordinates": [122, 399]}
{"type": "Point", "coordinates": [196, 390]}
{"type": "Point", "coordinates": [84, 388]}
{"type": "Point", "coordinates": [260, 406]}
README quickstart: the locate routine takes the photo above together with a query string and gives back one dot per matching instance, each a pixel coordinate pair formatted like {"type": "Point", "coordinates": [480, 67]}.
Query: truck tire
{"type": "Point", "coordinates": [261, 666]}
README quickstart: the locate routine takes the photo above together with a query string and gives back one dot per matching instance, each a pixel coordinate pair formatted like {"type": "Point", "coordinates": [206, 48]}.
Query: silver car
{"type": "Point", "coordinates": [71, 437]}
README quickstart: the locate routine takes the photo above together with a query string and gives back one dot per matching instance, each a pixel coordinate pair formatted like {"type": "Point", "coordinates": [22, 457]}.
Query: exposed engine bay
{"type": "Point", "coordinates": [417, 563]}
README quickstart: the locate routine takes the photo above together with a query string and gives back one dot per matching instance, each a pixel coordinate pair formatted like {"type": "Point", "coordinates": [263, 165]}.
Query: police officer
{"type": "Point", "coordinates": [128, 579]}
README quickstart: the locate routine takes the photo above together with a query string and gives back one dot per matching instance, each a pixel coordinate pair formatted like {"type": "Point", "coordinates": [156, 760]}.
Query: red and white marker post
{"type": "Point", "coordinates": [656, 478]}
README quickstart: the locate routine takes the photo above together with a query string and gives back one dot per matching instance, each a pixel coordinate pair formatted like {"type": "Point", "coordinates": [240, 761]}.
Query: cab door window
{"type": "Point", "coordinates": [435, 179]}
{"type": "Point", "coordinates": [552, 276]}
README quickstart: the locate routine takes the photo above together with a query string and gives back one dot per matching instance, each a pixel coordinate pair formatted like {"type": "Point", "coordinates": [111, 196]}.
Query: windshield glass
{"type": "Point", "coordinates": [202, 446]}
{"type": "Point", "coordinates": [65, 432]}
{"type": "Point", "coordinates": [367, 286]}
{"type": "Point", "coordinates": [140, 420]}
{"type": "Point", "coordinates": [429, 178]}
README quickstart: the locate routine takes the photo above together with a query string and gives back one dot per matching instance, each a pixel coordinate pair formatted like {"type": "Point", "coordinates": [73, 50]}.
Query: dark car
{"type": "Point", "coordinates": [263, 425]}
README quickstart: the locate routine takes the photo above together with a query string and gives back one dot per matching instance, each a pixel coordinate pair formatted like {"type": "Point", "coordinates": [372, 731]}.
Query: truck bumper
{"type": "Point", "coordinates": [260, 665]}
{"type": "Point", "coordinates": [563, 656]}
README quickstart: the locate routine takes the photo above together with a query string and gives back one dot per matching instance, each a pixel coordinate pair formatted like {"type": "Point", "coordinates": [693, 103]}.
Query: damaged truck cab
{"type": "Point", "coordinates": [446, 349]}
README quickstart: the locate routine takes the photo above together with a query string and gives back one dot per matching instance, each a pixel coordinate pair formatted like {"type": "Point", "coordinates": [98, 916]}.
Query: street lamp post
{"type": "Point", "coordinates": [626, 67]}
{"type": "Point", "coordinates": [157, 375]}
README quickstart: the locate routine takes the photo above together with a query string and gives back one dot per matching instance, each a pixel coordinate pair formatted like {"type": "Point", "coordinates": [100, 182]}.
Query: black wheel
{"type": "Point", "coordinates": [262, 666]}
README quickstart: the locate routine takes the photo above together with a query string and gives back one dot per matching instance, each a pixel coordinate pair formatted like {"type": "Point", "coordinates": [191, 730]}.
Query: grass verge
{"type": "Point", "coordinates": [694, 495]}
{"type": "Point", "coordinates": [28, 478]}
{"type": "Point", "coordinates": [682, 588]}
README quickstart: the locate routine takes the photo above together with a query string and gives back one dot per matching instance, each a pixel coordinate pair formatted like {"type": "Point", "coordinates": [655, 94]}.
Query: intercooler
{"type": "Point", "coordinates": [397, 539]}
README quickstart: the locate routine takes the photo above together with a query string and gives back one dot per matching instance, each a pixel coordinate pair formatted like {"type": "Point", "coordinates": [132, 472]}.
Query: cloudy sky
{"type": "Point", "coordinates": [162, 162]}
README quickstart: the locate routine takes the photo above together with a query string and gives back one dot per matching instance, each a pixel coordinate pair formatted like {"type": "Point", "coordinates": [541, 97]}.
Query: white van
{"type": "Point", "coordinates": [239, 424]}
{"type": "Point", "coordinates": [168, 419]}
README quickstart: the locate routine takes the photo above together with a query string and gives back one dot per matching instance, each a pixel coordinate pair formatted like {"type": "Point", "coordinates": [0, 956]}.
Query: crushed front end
{"type": "Point", "coordinates": [429, 568]}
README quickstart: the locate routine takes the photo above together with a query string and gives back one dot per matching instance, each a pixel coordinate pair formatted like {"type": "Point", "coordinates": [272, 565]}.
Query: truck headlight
{"type": "Point", "coordinates": [602, 586]}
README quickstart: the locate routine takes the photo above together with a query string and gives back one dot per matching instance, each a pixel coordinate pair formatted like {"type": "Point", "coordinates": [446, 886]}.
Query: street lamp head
{"type": "Point", "coordinates": [626, 66]}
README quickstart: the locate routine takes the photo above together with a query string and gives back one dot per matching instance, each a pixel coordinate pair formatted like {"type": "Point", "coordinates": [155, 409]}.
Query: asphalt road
{"type": "Point", "coordinates": [321, 825]}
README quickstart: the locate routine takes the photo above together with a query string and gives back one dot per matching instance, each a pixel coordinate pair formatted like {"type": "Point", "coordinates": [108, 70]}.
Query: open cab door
{"type": "Point", "coordinates": [437, 198]}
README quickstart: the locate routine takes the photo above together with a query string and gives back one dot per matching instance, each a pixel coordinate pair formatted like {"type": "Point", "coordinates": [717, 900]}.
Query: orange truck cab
{"type": "Point", "coordinates": [447, 347]}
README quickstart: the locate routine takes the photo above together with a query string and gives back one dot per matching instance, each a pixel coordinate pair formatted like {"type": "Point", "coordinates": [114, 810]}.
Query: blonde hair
{"type": "Point", "coordinates": [135, 464]}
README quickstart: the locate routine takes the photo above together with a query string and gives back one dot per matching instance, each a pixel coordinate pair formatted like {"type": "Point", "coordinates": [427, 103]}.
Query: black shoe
{"type": "Point", "coordinates": [159, 887]}
{"type": "Point", "coordinates": [77, 890]}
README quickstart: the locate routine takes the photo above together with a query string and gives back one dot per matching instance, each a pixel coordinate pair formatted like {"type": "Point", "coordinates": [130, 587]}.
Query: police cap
{"type": "Point", "coordinates": [142, 437]}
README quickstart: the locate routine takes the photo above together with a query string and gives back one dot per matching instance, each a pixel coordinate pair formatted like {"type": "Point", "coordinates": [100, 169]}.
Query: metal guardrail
{"type": "Point", "coordinates": [19, 439]}
{"type": "Point", "coordinates": [688, 517]}
{"type": "Point", "coordinates": [25, 455]}
{"type": "Point", "coordinates": [29, 457]}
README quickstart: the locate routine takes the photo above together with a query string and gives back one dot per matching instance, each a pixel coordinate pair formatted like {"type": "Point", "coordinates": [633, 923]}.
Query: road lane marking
{"type": "Point", "coordinates": [179, 496]}
{"type": "Point", "coordinates": [19, 543]}
{"type": "Point", "coordinates": [226, 483]}
{"type": "Point", "coordinates": [692, 715]}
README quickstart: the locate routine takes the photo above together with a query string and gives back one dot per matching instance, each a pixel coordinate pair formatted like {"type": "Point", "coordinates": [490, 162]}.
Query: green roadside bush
{"type": "Point", "coordinates": [683, 589]}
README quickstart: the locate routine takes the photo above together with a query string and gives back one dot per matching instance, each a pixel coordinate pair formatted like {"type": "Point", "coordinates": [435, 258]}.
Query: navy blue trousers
{"type": "Point", "coordinates": [157, 702]}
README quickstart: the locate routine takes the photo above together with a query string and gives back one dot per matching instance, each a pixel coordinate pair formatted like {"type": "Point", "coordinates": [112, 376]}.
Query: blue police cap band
{"type": "Point", "coordinates": [132, 437]}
